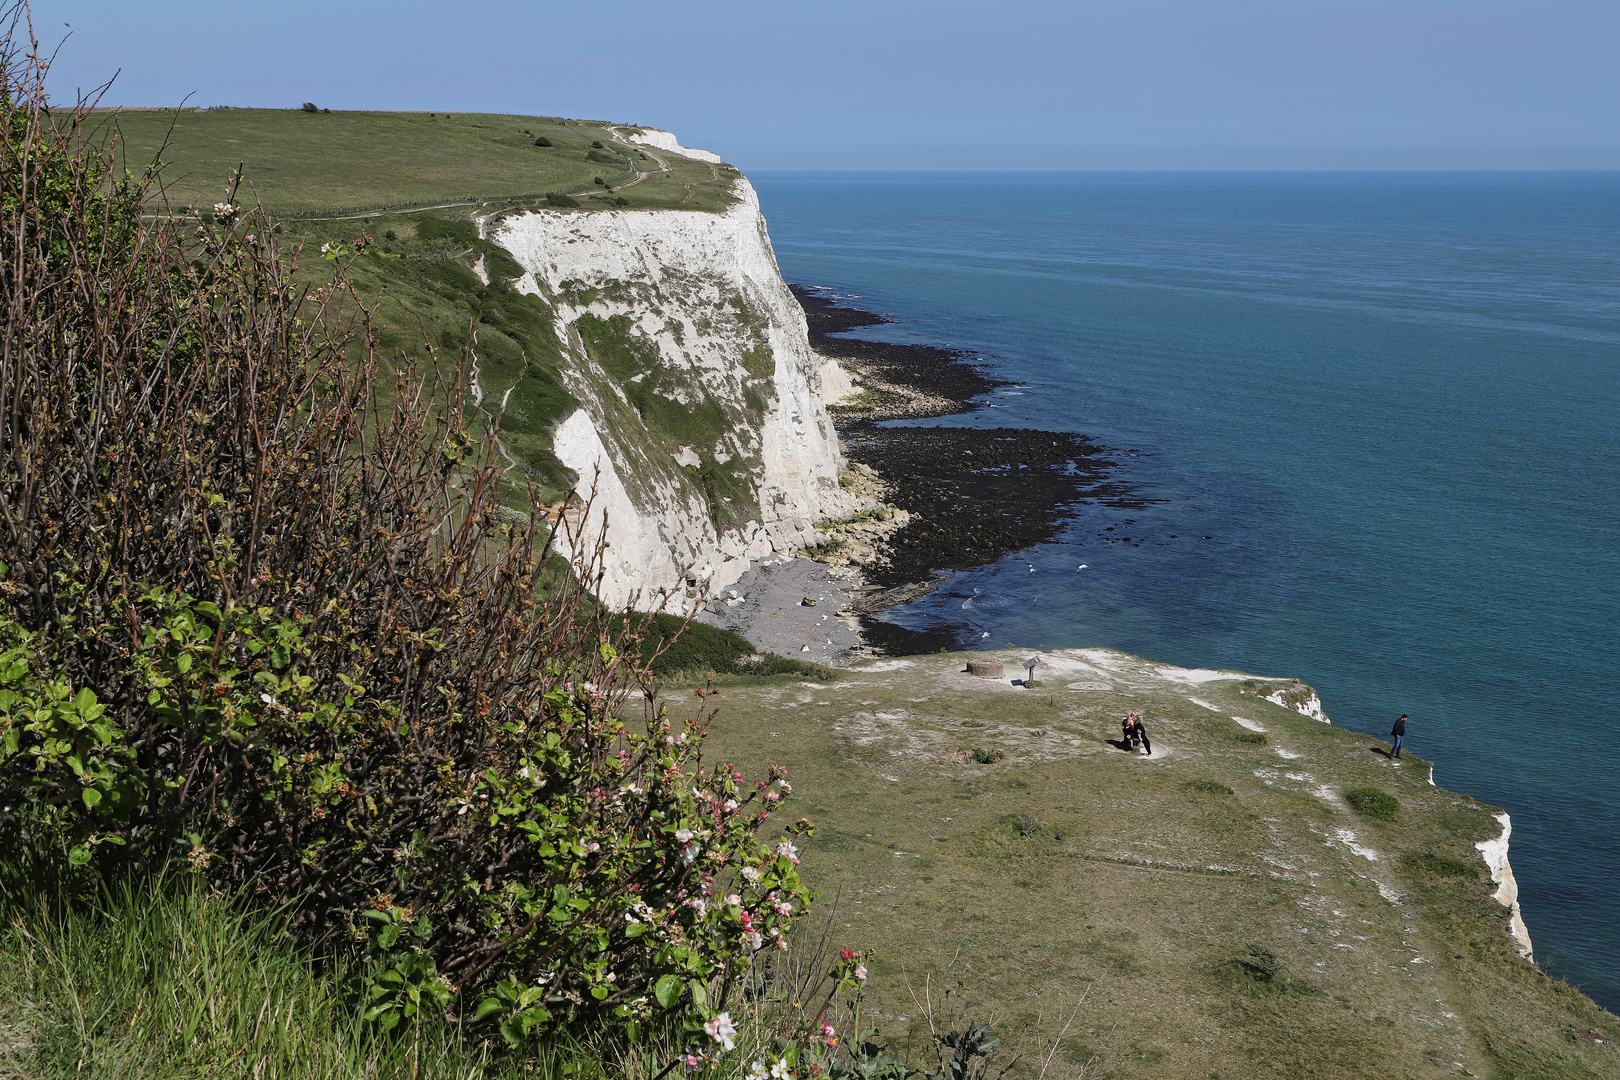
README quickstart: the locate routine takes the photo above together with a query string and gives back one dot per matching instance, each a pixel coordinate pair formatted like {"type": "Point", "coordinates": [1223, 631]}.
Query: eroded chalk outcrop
{"type": "Point", "coordinates": [702, 422]}
{"type": "Point", "coordinates": [1495, 853]}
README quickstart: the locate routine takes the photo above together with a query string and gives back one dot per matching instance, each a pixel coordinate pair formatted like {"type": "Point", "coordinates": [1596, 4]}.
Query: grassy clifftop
{"type": "Point", "coordinates": [417, 184]}
{"type": "Point", "coordinates": [1283, 902]}
{"type": "Point", "coordinates": [319, 163]}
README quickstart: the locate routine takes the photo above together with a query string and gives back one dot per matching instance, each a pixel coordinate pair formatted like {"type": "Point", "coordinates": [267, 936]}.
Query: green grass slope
{"type": "Point", "coordinates": [1286, 903]}
{"type": "Point", "coordinates": [321, 163]}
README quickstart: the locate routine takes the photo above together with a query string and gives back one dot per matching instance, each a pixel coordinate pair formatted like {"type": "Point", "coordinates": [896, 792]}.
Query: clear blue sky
{"type": "Point", "coordinates": [907, 84]}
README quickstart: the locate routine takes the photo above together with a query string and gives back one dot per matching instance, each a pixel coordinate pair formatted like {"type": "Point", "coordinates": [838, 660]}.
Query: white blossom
{"type": "Point", "coordinates": [722, 1030]}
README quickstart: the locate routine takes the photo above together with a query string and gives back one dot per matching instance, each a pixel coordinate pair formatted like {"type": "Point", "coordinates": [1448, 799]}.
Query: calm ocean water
{"type": "Point", "coordinates": [1382, 413]}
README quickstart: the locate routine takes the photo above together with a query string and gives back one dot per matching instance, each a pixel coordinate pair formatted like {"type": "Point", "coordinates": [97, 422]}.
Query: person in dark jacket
{"type": "Point", "coordinates": [1140, 732]}
{"type": "Point", "coordinates": [1399, 733]}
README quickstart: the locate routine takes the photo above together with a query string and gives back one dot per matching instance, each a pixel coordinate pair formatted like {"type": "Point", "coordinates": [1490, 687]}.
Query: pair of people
{"type": "Point", "coordinates": [1135, 733]}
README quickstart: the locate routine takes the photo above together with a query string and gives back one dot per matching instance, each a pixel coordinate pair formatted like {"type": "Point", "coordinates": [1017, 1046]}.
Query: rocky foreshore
{"type": "Point", "coordinates": [973, 494]}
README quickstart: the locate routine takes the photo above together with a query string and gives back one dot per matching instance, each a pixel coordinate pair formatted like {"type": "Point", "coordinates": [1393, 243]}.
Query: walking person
{"type": "Point", "coordinates": [1399, 733]}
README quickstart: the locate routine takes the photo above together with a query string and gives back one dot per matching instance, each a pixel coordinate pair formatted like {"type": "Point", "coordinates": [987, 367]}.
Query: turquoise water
{"type": "Point", "coordinates": [1382, 413]}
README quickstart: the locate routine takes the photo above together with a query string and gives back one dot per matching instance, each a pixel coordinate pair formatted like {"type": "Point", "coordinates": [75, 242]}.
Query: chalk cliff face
{"type": "Point", "coordinates": [663, 140]}
{"type": "Point", "coordinates": [1507, 887]}
{"type": "Point", "coordinates": [702, 424]}
{"type": "Point", "coordinates": [1308, 705]}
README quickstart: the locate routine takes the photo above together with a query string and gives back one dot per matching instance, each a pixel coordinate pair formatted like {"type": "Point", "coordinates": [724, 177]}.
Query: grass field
{"type": "Point", "coordinates": [1232, 915]}
{"type": "Point", "coordinates": [321, 164]}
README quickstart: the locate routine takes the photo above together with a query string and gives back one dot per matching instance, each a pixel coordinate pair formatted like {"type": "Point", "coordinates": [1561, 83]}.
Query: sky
{"type": "Point", "coordinates": [910, 85]}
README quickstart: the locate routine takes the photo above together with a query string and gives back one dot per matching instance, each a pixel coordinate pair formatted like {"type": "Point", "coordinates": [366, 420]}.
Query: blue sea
{"type": "Point", "coordinates": [1381, 413]}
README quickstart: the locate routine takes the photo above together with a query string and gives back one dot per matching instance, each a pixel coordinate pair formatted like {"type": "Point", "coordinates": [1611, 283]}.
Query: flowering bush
{"type": "Point", "coordinates": [257, 628]}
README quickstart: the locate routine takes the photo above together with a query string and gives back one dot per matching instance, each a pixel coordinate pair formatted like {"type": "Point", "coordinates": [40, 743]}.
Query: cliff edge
{"type": "Point", "coordinates": [1266, 895]}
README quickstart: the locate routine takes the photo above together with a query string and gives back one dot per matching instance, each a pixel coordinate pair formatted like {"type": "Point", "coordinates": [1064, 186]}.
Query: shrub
{"type": "Point", "coordinates": [771, 664]}
{"type": "Point", "coordinates": [1447, 866]}
{"type": "Point", "coordinates": [462, 232]}
{"type": "Point", "coordinates": [390, 235]}
{"type": "Point", "coordinates": [599, 180]}
{"type": "Point", "coordinates": [542, 141]}
{"type": "Point", "coordinates": [310, 106]}
{"type": "Point", "coordinates": [603, 158]}
{"type": "Point", "coordinates": [557, 198]}
{"type": "Point", "coordinates": [1372, 803]}
{"type": "Point", "coordinates": [981, 755]}
{"type": "Point", "coordinates": [258, 629]}
{"type": "Point", "coordinates": [1249, 738]}
{"type": "Point", "coordinates": [596, 144]}
{"type": "Point", "coordinates": [1261, 969]}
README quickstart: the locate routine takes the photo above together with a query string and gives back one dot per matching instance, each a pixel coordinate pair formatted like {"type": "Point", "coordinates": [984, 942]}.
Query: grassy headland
{"type": "Point", "coordinates": [1238, 905]}
{"type": "Point", "coordinates": [322, 164]}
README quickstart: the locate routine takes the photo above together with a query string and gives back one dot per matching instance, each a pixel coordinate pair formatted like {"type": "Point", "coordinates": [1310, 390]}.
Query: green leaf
{"type": "Point", "coordinates": [487, 1006]}
{"type": "Point", "coordinates": [183, 663]}
{"type": "Point", "coordinates": [91, 797]}
{"type": "Point", "coordinates": [667, 990]}
{"type": "Point", "coordinates": [635, 930]}
{"type": "Point", "coordinates": [599, 992]}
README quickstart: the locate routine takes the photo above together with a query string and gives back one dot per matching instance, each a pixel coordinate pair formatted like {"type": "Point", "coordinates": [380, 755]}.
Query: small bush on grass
{"type": "Point", "coordinates": [558, 199]}
{"type": "Point", "coordinates": [1249, 738]}
{"type": "Point", "coordinates": [1260, 969]}
{"type": "Point", "coordinates": [1372, 803]}
{"type": "Point", "coordinates": [769, 664]}
{"type": "Point", "coordinates": [985, 756]}
{"type": "Point", "coordinates": [542, 141]}
{"type": "Point", "coordinates": [1444, 866]}
{"type": "Point", "coordinates": [463, 232]}
{"type": "Point", "coordinates": [258, 629]}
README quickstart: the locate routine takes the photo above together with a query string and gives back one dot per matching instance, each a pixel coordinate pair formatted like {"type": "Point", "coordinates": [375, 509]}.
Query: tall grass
{"type": "Point", "coordinates": [173, 981]}
{"type": "Point", "coordinates": [168, 980]}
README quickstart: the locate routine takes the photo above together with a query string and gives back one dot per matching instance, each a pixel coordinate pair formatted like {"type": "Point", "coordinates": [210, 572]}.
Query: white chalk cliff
{"type": "Point", "coordinates": [663, 140]}
{"type": "Point", "coordinates": [1507, 888]}
{"type": "Point", "coordinates": [1310, 706]}
{"type": "Point", "coordinates": [697, 300]}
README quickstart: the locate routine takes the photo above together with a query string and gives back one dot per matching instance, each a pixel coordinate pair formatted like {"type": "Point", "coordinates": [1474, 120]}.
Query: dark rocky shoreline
{"type": "Point", "coordinates": [905, 381]}
{"type": "Point", "coordinates": [975, 494]}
